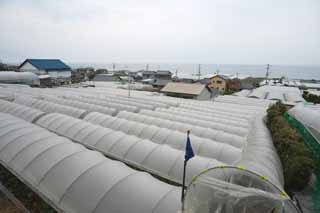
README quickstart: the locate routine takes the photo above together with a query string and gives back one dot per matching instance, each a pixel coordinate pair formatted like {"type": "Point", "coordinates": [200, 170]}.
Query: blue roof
{"type": "Point", "coordinates": [47, 64]}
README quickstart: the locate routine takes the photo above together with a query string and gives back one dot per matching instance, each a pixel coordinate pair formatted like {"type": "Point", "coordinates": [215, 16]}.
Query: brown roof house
{"type": "Point", "coordinates": [185, 90]}
{"type": "Point", "coordinates": [224, 83]}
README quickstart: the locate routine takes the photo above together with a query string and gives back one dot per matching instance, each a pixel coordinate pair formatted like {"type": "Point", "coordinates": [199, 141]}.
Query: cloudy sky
{"type": "Point", "coordinates": [178, 31]}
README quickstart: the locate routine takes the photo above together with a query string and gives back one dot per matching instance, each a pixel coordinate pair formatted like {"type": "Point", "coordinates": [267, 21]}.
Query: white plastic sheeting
{"type": "Point", "coordinates": [214, 119]}
{"type": "Point", "coordinates": [112, 99]}
{"type": "Point", "coordinates": [243, 93]}
{"type": "Point", "coordinates": [82, 105]}
{"type": "Point", "coordinates": [240, 131]}
{"type": "Point", "coordinates": [161, 160]}
{"type": "Point", "coordinates": [275, 95]}
{"type": "Point", "coordinates": [281, 93]}
{"type": "Point", "coordinates": [74, 179]}
{"type": "Point", "coordinates": [203, 132]}
{"type": "Point", "coordinates": [293, 97]}
{"type": "Point", "coordinates": [260, 155]}
{"type": "Point", "coordinates": [201, 146]}
{"type": "Point", "coordinates": [119, 107]}
{"type": "Point", "coordinates": [122, 95]}
{"type": "Point", "coordinates": [243, 101]}
{"type": "Point", "coordinates": [125, 102]}
{"type": "Point", "coordinates": [46, 106]}
{"type": "Point", "coordinates": [260, 94]}
{"type": "Point", "coordinates": [28, 78]}
{"type": "Point", "coordinates": [24, 112]}
{"type": "Point", "coordinates": [228, 107]}
{"type": "Point", "coordinates": [209, 115]}
{"type": "Point", "coordinates": [6, 95]}
{"type": "Point", "coordinates": [309, 116]}
{"type": "Point", "coordinates": [234, 190]}
{"type": "Point", "coordinates": [205, 109]}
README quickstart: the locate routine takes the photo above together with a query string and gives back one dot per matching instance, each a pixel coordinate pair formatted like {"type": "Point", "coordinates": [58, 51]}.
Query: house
{"type": "Point", "coordinates": [55, 68]}
{"type": "Point", "coordinates": [163, 75]}
{"type": "Point", "coordinates": [157, 79]}
{"type": "Point", "coordinates": [224, 83]}
{"type": "Point", "coordinates": [189, 91]}
{"type": "Point", "coordinates": [148, 74]}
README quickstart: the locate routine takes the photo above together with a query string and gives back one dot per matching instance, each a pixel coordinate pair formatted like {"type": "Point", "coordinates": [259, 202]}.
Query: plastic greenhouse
{"type": "Point", "coordinates": [233, 190]}
{"type": "Point", "coordinates": [74, 179]}
{"type": "Point", "coordinates": [97, 150]}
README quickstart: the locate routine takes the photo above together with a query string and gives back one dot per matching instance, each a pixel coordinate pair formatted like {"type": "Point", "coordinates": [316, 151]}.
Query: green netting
{"type": "Point", "coordinates": [314, 146]}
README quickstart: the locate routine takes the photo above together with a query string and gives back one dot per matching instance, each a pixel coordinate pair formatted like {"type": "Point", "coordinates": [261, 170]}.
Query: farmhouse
{"type": "Point", "coordinates": [55, 68]}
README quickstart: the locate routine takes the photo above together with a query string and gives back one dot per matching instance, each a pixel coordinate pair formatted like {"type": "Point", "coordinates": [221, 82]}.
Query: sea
{"type": "Point", "coordinates": [275, 71]}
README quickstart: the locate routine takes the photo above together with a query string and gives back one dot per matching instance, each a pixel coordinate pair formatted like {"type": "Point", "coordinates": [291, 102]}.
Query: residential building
{"type": "Point", "coordinates": [148, 74]}
{"type": "Point", "coordinates": [163, 75]}
{"type": "Point", "coordinates": [233, 85]}
{"type": "Point", "coordinates": [224, 83]}
{"type": "Point", "coordinates": [157, 79]}
{"type": "Point", "coordinates": [55, 68]}
{"type": "Point", "coordinates": [218, 82]}
{"type": "Point", "coordinates": [189, 91]}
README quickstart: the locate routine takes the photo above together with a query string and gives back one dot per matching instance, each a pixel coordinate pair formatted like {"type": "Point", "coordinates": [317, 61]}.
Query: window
{"type": "Point", "coordinates": [213, 81]}
{"type": "Point", "coordinates": [219, 82]}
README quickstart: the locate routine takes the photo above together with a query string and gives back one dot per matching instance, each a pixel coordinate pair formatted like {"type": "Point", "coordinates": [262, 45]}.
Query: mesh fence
{"type": "Point", "coordinates": [314, 146]}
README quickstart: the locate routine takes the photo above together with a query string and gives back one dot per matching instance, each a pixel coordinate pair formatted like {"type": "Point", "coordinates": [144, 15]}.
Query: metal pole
{"type": "Point", "coordinates": [184, 179]}
{"type": "Point", "coordinates": [183, 184]}
{"type": "Point", "coordinates": [128, 88]}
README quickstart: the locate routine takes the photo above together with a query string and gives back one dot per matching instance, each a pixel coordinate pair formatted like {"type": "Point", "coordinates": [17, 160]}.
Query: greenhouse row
{"type": "Point", "coordinates": [72, 178]}
{"type": "Point", "coordinates": [114, 144]}
{"type": "Point", "coordinates": [278, 93]}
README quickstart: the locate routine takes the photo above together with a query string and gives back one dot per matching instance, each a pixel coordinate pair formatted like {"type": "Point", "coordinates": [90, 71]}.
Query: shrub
{"type": "Point", "coordinates": [295, 156]}
{"type": "Point", "coordinates": [311, 97]}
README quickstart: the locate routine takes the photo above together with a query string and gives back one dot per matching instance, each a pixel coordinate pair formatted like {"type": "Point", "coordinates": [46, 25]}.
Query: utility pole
{"type": "Point", "coordinates": [147, 67]}
{"type": "Point", "coordinates": [177, 73]}
{"type": "Point", "coordinates": [267, 73]}
{"type": "Point", "coordinates": [199, 72]}
{"type": "Point", "coordinates": [113, 67]}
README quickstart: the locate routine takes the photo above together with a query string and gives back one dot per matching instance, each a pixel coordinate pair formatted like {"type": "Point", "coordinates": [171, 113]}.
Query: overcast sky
{"type": "Point", "coordinates": [176, 31]}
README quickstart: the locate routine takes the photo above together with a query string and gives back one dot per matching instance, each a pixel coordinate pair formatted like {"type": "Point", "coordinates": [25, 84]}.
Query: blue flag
{"type": "Point", "coordinates": [189, 152]}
